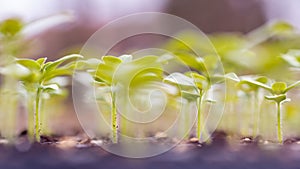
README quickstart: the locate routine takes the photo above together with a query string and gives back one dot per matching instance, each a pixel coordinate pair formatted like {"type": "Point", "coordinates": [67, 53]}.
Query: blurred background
{"type": "Point", "coordinates": [68, 36]}
{"type": "Point", "coordinates": [90, 15]}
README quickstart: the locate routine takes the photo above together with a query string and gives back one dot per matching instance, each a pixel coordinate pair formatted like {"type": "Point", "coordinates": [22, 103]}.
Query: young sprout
{"type": "Point", "coordinates": [192, 87]}
{"type": "Point", "coordinates": [246, 85]}
{"type": "Point", "coordinates": [124, 73]}
{"type": "Point", "coordinates": [187, 91]}
{"type": "Point", "coordinates": [201, 80]}
{"type": "Point", "coordinates": [10, 46]}
{"type": "Point", "coordinates": [40, 81]}
{"type": "Point", "coordinates": [279, 95]}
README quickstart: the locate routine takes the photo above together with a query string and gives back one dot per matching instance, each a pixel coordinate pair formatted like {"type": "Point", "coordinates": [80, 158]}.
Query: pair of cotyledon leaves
{"type": "Point", "coordinates": [40, 73]}
{"type": "Point", "coordinates": [112, 71]}
{"type": "Point", "coordinates": [277, 89]}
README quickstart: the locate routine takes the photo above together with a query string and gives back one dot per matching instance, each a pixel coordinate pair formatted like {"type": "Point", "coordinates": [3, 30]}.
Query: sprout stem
{"type": "Point", "coordinates": [30, 116]}
{"type": "Point", "coordinates": [199, 118]}
{"type": "Point", "coordinates": [114, 119]}
{"type": "Point", "coordinates": [256, 112]}
{"type": "Point", "coordinates": [279, 123]}
{"type": "Point", "coordinates": [37, 115]}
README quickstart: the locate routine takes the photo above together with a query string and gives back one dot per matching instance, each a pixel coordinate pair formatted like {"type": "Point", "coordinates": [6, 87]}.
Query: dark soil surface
{"type": "Point", "coordinates": [244, 154]}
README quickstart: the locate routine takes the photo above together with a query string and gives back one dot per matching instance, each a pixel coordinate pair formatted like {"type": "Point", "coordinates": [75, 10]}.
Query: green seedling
{"type": "Point", "coordinates": [192, 87]}
{"type": "Point", "coordinates": [279, 95]}
{"type": "Point", "coordinates": [124, 73]}
{"type": "Point", "coordinates": [40, 80]}
{"type": "Point", "coordinates": [9, 47]}
{"type": "Point", "coordinates": [246, 85]}
{"type": "Point", "coordinates": [15, 40]}
{"type": "Point", "coordinates": [187, 91]}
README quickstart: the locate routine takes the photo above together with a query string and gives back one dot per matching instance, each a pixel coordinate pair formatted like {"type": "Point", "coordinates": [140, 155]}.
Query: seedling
{"type": "Point", "coordinates": [246, 85]}
{"type": "Point", "coordinates": [116, 73]}
{"type": "Point", "coordinates": [192, 87]}
{"type": "Point", "coordinates": [39, 81]}
{"type": "Point", "coordinates": [278, 91]}
{"type": "Point", "coordinates": [9, 47]}
{"type": "Point", "coordinates": [188, 91]}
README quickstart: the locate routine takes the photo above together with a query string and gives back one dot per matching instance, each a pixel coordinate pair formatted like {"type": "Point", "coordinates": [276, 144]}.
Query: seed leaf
{"type": "Point", "coordinates": [200, 81]}
{"type": "Point", "coordinates": [53, 65]}
{"type": "Point", "coordinates": [11, 27]}
{"type": "Point", "coordinates": [281, 27]}
{"type": "Point", "coordinates": [292, 86]}
{"type": "Point", "coordinates": [277, 98]}
{"type": "Point", "coordinates": [232, 76]}
{"type": "Point", "coordinates": [255, 84]}
{"type": "Point", "coordinates": [189, 96]}
{"type": "Point", "coordinates": [181, 80]}
{"type": "Point", "coordinates": [29, 64]}
{"type": "Point", "coordinates": [191, 60]}
{"type": "Point", "coordinates": [279, 87]}
{"type": "Point", "coordinates": [41, 61]}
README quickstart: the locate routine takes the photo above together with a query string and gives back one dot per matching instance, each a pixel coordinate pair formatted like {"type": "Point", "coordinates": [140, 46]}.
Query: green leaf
{"type": "Point", "coordinates": [253, 85]}
{"type": "Point", "coordinates": [144, 65]}
{"type": "Point", "coordinates": [11, 27]}
{"type": "Point", "coordinates": [232, 76]}
{"type": "Point", "coordinates": [41, 61]}
{"type": "Point", "coordinates": [292, 86]}
{"type": "Point", "coordinates": [111, 60]}
{"type": "Point", "coordinates": [181, 80]}
{"type": "Point", "coordinates": [189, 96]}
{"type": "Point", "coordinates": [53, 65]}
{"type": "Point", "coordinates": [147, 76]}
{"type": "Point", "coordinates": [57, 72]}
{"type": "Point", "coordinates": [277, 98]}
{"type": "Point", "coordinates": [278, 87]}
{"type": "Point", "coordinates": [105, 72]}
{"type": "Point", "coordinates": [281, 27]}
{"type": "Point", "coordinates": [29, 64]}
{"type": "Point", "coordinates": [262, 79]}
{"type": "Point", "coordinates": [191, 60]}
{"type": "Point", "coordinates": [200, 80]}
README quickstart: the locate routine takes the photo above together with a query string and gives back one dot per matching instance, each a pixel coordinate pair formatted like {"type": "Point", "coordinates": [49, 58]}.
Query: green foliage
{"type": "Point", "coordinates": [124, 72]}
{"type": "Point", "coordinates": [11, 27]}
{"type": "Point", "coordinates": [40, 79]}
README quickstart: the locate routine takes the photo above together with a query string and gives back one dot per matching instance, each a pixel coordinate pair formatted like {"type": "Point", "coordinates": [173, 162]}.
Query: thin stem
{"type": "Point", "coordinates": [10, 107]}
{"type": "Point", "coordinates": [37, 115]}
{"type": "Point", "coordinates": [256, 115]}
{"type": "Point", "coordinates": [30, 116]}
{"type": "Point", "coordinates": [114, 121]}
{"type": "Point", "coordinates": [187, 120]}
{"type": "Point", "coordinates": [184, 127]}
{"type": "Point", "coordinates": [199, 118]}
{"type": "Point", "coordinates": [279, 123]}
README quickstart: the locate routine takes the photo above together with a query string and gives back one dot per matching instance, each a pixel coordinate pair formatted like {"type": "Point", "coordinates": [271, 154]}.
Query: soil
{"type": "Point", "coordinates": [76, 153]}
